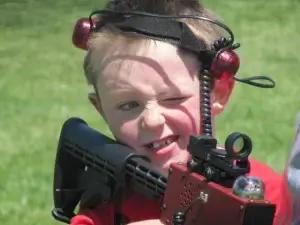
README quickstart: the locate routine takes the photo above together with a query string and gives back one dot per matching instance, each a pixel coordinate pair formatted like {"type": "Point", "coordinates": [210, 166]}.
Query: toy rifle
{"type": "Point", "coordinates": [212, 187]}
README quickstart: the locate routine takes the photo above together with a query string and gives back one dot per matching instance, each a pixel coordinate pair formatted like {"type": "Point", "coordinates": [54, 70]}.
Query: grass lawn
{"type": "Point", "coordinates": [41, 85]}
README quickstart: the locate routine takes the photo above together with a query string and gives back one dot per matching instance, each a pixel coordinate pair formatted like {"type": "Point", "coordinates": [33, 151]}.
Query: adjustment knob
{"type": "Point", "coordinates": [208, 173]}
{"type": "Point", "coordinates": [179, 218]}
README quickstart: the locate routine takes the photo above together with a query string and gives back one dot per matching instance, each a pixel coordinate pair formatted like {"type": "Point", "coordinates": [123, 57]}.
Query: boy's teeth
{"type": "Point", "coordinates": [161, 144]}
{"type": "Point", "coordinates": [155, 145]}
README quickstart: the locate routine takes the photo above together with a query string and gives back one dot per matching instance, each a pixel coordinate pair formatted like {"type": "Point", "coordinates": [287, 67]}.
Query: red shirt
{"type": "Point", "coordinates": [139, 208]}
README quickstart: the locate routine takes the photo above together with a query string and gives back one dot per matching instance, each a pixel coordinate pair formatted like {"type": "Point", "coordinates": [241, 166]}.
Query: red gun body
{"type": "Point", "coordinates": [235, 210]}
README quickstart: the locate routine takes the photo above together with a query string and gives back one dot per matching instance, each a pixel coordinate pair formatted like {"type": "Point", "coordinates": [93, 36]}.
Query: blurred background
{"type": "Point", "coordinates": [42, 85]}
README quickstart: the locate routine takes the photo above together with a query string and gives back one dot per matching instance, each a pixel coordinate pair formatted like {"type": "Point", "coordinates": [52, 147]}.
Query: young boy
{"type": "Point", "coordinates": [148, 93]}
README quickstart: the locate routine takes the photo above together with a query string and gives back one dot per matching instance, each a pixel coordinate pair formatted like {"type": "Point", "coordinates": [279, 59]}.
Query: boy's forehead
{"type": "Point", "coordinates": [161, 60]}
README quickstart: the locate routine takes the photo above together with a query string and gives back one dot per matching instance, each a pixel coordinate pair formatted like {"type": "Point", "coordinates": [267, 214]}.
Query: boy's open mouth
{"type": "Point", "coordinates": [159, 144]}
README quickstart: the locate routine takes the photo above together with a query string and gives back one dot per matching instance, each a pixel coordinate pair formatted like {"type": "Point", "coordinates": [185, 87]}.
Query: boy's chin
{"type": "Point", "coordinates": [164, 169]}
{"type": "Point", "coordinates": [164, 165]}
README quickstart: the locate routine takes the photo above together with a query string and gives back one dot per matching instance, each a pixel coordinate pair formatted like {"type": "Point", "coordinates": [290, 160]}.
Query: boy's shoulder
{"type": "Point", "coordinates": [263, 171]}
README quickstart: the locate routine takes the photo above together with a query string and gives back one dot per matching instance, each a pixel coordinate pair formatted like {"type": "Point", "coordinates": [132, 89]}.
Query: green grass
{"type": "Point", "coordinates": [41, 85]}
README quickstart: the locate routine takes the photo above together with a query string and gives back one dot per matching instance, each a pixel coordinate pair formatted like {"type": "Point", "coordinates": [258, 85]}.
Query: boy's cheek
{"type": "Point", "coordinates": [125, 132]}
{"type": "Point", "coordinates": [188, 118]}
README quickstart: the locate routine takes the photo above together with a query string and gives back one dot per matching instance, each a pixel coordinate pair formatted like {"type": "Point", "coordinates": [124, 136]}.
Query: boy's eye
{"type": "Point", "coordinates": [128, 106]}
{"type": "Point", "coordinates": [179, 99]}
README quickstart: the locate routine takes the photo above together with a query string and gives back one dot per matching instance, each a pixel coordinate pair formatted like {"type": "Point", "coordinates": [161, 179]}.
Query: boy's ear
{"type": "Point", "coordinates": [221, 94]}
{"type": "Point", "coordinates": [95, 100]}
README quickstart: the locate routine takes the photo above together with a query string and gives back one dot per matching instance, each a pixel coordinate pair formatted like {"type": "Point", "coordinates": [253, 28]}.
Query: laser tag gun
{"type": "Point", "coordinates": [212, 188]}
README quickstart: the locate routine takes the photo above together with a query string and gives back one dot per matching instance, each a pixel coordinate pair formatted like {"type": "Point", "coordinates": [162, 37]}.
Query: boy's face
{"type": "Point", "coordinates": [150, 101]}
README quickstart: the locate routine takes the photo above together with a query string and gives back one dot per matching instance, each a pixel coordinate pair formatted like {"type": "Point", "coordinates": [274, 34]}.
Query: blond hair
{"type": "Point", "coordinates": [109, 40]}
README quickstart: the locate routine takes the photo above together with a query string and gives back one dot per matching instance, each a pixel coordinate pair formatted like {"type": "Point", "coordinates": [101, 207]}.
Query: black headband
{"type": "Point", "coordinates": [171, 31]}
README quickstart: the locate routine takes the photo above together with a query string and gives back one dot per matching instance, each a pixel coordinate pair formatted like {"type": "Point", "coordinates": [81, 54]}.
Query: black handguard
{"type": "Point", "coordinates": [90, 168]}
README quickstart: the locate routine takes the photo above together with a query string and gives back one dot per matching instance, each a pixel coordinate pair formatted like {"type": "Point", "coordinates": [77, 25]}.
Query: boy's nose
{"type": "Point", "coordinates": [152, 117]}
